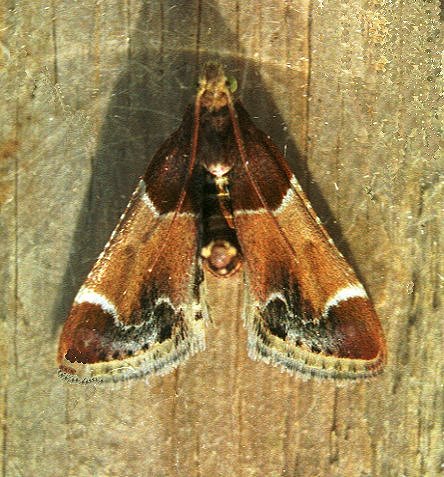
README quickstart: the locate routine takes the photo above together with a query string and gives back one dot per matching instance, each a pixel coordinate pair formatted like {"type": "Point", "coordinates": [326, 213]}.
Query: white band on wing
{"type": "Point", "coordinates": [86, 295]}
{"type": "Point", "coordinates": [146, 198]}
{"type": "Point", "coordinates": [344, 294]}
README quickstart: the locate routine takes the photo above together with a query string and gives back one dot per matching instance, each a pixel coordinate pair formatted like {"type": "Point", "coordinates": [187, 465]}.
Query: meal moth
{"type": "Point", "coordinates": [218, 196]}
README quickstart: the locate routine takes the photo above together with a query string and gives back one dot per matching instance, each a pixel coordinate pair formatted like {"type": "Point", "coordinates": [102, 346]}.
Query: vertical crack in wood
{"type": "Point", "coordinates": [198, 35]}
{"type": "Point", "coordinates": [5, 432]}
{"type": "Point", "coordinates": [333, 441]}
{"type": "Point", "coordinates": [54, 41]}
{"type": "Point", "coordinates": [237, 401]}
{"type": "Point", "coordinates": [175, 424]}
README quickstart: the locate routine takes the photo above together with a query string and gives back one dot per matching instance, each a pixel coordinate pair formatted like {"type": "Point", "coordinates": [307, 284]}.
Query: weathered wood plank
{"type": "Point", "coordinates": [375, 133]}
{"type": "Point", "coordinates": [349, 89]}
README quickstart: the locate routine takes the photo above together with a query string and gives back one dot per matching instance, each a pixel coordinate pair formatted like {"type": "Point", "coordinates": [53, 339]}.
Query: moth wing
{"type": "Point", "coordinates": [307, 311]}
{"type": "Point", "coordinates": [139, 311]}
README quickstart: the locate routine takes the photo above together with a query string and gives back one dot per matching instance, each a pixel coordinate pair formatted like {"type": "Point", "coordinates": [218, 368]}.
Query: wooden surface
{"type": "Point", "coordinates": [350, 91]}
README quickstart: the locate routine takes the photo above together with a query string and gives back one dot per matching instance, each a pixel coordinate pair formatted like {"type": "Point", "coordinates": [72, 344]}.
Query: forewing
{"type": "Point", "coordinates": [139, 311]}
{"type": "Point", "coordinates": [307, 310]}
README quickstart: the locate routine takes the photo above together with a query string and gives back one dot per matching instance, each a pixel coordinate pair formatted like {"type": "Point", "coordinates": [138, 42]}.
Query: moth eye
{"type": "Point", "coordinates": [231, 84]}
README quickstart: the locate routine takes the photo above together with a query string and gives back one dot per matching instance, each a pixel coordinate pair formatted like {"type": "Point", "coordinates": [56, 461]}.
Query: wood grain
{"type": "Point", "coordinates": [349, 90]}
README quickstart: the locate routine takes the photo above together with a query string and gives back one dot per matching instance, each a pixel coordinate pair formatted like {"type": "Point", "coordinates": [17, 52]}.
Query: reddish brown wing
{"type": "Point", "coordinates": [307, 310]}
{"type": "Point", "coordinates": [139, 311]}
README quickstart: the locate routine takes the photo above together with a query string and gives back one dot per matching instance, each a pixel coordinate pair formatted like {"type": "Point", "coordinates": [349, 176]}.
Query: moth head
{"type": "Point", "coordinates": [215, 87]}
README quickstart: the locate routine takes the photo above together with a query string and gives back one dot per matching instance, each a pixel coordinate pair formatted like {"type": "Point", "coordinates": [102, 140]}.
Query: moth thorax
{"type": "Point", "coordinates": [221, 258]}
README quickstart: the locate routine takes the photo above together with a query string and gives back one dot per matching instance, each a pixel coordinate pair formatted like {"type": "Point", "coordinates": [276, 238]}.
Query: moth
{"type": "Point", "coordinates": [219, 198]}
